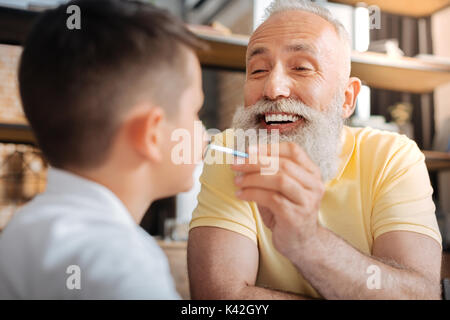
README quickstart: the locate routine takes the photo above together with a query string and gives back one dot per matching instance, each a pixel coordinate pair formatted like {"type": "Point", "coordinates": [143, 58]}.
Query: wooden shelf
{"type": "Point", "coordinates": [412, 8]}
{"type": "Point", "coordinates": [16, 133]}
{"type": "Point", "coordinates": [400, 74]}
{"type": "Point", "coordinates": [228, 52]}
{"type": "Point", "coordinates": [445, 269]}
{"type": "Point", "coordinates": [225, 51]}
{"type": "Point", "coordinates": [437, 161]}
{"type": "Point", "coordinates": [15, 25]}
{"type": "Point", "coordinates": [374, 69]}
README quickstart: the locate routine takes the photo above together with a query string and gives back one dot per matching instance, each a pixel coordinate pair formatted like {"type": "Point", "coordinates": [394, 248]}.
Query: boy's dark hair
{"type": "Point", "coordinates": [76, 85]}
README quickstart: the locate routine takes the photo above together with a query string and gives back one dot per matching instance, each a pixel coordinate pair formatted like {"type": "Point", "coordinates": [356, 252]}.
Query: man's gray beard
{"type": "Point", "coordinates": [319, 136]}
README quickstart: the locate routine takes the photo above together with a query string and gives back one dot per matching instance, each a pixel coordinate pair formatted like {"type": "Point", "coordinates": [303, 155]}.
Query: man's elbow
{"type": "Point", "coordinates": [432, 289]}
{"type": "Point", "coordinates": [433, 286]}
{"type": "Point", "coordinates": [436, 291]}
{"type": "Point", "coordinates": [223, 292]}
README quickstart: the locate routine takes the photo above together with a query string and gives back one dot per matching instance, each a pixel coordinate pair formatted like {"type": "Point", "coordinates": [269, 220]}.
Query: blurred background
{"type": "Point", "coordinates": [401, 54]}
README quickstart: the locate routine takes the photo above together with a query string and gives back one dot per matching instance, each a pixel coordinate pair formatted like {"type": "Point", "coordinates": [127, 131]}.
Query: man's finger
{"type": "Point", "coordinates": [287, 166]}
{"type": "Point", "coordinates": [259, 163]}
{"type": "Point", "coordinates": [274, 201]}
{"type": "Point", "coordinates": [282, 183]}
{"type": "Point", "coordinates": [289, 150]}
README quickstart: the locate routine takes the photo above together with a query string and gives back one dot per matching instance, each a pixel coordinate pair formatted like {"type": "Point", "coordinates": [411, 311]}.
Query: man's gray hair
{"type": "Point", "coordinates": [305, 5]}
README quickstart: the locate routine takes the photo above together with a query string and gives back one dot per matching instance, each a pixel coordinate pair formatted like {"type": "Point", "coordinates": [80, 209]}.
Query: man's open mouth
{"type": "Point", "coordinates": [280, 120]}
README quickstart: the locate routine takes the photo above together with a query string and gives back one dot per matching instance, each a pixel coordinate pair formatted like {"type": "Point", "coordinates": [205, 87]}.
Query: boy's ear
{"type": "Point", "coordinates": [351, 95]}
{"type": "Point", "coordinates": [146, 131]}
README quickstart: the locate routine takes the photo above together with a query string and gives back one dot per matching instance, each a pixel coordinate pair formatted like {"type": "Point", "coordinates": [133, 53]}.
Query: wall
{"type": "Point", "coordinates": [10, 109]}
{"type": "Point", "coordinates": [441, 45]}
{"type": "Point", "coordinates": [22, 169]}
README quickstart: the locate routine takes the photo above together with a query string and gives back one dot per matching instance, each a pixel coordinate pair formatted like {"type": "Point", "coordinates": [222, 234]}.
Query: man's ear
{"type": "Point", "coordinates": [351, 94]}
{"type": "Point", "coordinates": [146, 132]}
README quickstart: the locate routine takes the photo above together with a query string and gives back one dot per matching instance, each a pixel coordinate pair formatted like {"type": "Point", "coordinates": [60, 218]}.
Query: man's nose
{"type": "Point", "coordinates": [277, 84]}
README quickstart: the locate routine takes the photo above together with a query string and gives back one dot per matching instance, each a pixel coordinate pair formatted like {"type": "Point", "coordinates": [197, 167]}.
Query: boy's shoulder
{"type": "Point", "coordinates": [47, 237]}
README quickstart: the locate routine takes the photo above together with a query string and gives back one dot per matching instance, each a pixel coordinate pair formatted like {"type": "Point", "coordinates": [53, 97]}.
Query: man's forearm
{"type": "Point", "coordinates": [259, 293]}
{"type": "Point", "coordinates": [339, 271]}
{"type": "Point", "coordinates": [247, 292]}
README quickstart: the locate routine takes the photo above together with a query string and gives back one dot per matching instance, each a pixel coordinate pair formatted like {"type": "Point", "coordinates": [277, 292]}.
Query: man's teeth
{"type": "Point", "coordinates": [281, 118]}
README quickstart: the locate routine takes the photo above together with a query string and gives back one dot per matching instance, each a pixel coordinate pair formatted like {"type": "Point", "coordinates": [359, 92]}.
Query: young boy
{"type": "Point", "coordinates": [102, 101]}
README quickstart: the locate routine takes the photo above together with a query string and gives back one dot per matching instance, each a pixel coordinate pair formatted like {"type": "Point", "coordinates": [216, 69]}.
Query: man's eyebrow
{"type": "Point", "coordinates": [256, 51]}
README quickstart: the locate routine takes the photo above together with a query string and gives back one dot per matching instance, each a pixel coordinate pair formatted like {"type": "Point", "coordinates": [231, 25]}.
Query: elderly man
{"type": "Point", "coordinates": [348, 215]}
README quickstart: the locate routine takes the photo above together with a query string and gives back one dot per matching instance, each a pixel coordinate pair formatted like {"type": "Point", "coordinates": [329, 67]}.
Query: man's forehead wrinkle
{"type": "Point", "coordinates": [284, 29]}
{"type": "Point", "coordinates": [293, 25]}
{"type": "Point", "coordinates": [287, 40]}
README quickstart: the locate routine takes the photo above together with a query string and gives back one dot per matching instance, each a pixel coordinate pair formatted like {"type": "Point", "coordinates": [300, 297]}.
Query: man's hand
{"type": "Point", "coordinates": [288, 200]}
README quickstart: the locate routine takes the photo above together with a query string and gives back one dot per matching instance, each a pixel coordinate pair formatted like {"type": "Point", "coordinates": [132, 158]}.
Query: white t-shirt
{"type": "Point", "coordinates": [78, 241]}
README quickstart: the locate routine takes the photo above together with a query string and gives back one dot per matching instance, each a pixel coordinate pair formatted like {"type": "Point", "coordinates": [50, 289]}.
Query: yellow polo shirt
{"type": "Point", "coordinates": [382, 185]}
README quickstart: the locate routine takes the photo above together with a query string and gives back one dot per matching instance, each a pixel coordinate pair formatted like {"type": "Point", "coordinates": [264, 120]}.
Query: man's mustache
{"type": "Point", "coordinates": [286, 106]}
{"type": "Point", "coordinates": [319, 136]}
